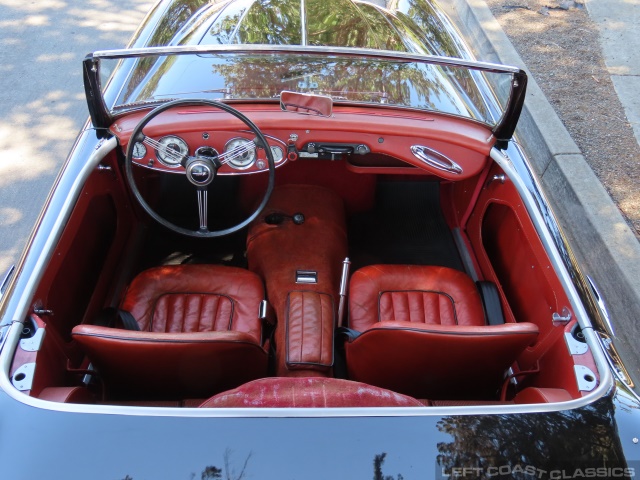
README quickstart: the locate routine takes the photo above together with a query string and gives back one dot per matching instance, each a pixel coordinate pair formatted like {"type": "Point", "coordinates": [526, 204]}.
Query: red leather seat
{"type": "Point", "coordinates": [200, 334]}
{"type": "Point", "coordinates": [423, 334]}
{"type": "Point", "coordinates": [308, 392]}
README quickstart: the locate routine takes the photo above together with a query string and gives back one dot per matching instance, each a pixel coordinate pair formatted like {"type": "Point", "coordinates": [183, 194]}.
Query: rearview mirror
{"type": "Point", "coordinates": [306, 103]}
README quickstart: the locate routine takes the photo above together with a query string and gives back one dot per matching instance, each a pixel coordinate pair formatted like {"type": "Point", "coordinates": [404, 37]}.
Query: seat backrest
{"type": "Point", "coordinates": [165, 365]}
{"type": "Point", "coordinates": [437, 361]}
{"type": "Point", "coordinates": [192, 298]}
{"type": "Point", "coordinates": [413, 293]}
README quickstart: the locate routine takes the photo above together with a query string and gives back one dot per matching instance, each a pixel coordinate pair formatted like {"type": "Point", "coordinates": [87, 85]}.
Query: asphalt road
{"type": "Point", "coordinates": [42, 107]}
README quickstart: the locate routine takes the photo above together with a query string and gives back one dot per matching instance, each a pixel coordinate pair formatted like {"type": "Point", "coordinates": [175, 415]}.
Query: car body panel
{"type": "Point", "coordinates": [416, 447]}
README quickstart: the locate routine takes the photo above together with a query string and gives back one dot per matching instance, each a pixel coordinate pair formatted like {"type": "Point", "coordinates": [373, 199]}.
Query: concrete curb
{"type": "Point", "coordinates": [601, 239]}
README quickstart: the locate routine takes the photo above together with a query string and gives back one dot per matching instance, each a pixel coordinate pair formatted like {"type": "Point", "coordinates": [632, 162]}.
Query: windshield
{"type": "Point", "coordinates": [437, 84]}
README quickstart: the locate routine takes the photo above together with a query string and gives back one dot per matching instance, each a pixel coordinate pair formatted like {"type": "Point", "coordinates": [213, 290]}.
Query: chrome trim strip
{"type": "Point", "coordinates": [202, 208]}
{"type": "Point", "coordinates": [602, 306]}
{"type": "Point", "coordinates": [613, 358]}
{"type": "Point", "coordinates": [307, 49]}
{"type": "Point", "coordinates": [606, 377]}
{"type": "Point", "coordinates": [5, 280]}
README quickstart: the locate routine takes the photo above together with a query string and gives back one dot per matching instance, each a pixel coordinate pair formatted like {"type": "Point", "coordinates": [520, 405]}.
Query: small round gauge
{"type": "Point", "coordinates": [208, 152]}
{"type": "Point", "coordinates": [139, 151]}
{"type": "Point", "coordinates": [240, 152]}
{"type": "Point", "coordinates": [277, 153]}
{"type": "Point", "coordinates": [172, 151]}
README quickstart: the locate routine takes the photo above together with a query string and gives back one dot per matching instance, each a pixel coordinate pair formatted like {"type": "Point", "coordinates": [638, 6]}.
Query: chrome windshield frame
{"type": "Point", "coordinates": [102, 117]}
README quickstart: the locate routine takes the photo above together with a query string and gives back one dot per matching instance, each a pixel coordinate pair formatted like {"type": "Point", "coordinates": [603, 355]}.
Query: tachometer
{"type": "Point", "coordinates": [240, 153]}
{"type": "Point", "coordinates": [172, 151]}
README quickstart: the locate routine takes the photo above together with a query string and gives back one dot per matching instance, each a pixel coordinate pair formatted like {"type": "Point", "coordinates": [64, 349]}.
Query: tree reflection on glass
{"type": "Point", "coordinates": [410, 84]}
{"type": "Point", "coordinates": [566, 440]}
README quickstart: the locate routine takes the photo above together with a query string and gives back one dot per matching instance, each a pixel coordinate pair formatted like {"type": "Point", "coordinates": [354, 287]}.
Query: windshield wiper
{"type": "Point", "coordinates": [169, 97]}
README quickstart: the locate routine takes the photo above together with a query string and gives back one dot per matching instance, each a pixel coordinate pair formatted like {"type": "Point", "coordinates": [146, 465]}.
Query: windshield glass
{"type": "Point", "coordinates": [450, 89]}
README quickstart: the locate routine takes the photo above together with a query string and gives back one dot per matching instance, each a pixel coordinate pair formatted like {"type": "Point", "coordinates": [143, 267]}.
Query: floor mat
{"type": "Point", "coordinates": [406, 226]}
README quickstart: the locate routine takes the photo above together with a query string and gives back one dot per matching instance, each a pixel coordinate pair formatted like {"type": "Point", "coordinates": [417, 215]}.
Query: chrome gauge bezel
{"type": "Point", "coordinates": [140, 149]}
{"type": "Point", "coordinates": [278, 153]}
{"type": "Point", "coordinates": [184, 150]}
{"type": "Point", "coordinates": [253, 153]}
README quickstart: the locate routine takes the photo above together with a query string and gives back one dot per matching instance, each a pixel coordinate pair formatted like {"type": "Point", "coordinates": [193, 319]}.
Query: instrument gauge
{"type": "Point", "coordinates": [139, 151]}
{"type": "Point", "coordinates": [172, 150]}
{"type": "Point", "coordinates": [277, 153]}
{"type": "Point", "coordinates": [208, 152]}
{"type": "Point", "coordinates": [240, 153]}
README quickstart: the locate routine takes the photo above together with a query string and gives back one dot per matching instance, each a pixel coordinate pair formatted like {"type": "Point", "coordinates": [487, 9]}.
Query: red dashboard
{"type": "Point", "coordinates": [381, 140]}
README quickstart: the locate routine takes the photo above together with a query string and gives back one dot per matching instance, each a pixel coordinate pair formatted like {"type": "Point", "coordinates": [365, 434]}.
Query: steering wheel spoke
{"type": "Point", "coordinates": [203, 198]}
{"type": "Point", "coordinates": [200, 171]}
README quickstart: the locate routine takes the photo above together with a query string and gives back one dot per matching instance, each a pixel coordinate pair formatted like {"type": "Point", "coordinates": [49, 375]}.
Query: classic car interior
{"type": "Point", "coordinates": [372, 257]}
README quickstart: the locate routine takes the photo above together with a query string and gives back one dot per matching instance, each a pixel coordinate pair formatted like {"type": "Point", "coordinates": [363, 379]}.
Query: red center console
{"type": "Point", "coordinates": [297, 246]}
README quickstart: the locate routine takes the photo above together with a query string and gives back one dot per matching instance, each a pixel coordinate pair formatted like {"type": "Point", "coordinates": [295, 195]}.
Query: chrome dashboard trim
{"type": "Point", "coordinates": [435, 159]}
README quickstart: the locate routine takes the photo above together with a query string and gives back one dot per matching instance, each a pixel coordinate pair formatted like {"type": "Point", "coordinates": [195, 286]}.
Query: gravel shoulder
{"type": "Point", "coordinates": [560, 45]}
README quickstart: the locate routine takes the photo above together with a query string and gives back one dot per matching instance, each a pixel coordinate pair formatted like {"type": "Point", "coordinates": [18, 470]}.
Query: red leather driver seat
{"type": "Point", "coordinates": [200, 334]}
{"type": "Point", "coordinates": [423, 334]}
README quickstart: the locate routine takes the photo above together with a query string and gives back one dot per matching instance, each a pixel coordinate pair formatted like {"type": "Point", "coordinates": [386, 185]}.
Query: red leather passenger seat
{"type": "Point", "coordinates": [200, 334]}
{"type": "Point", "coordinates": [423, 334]}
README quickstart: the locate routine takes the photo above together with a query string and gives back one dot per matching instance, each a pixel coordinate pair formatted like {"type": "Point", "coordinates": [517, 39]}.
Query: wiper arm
{"type": "Point", "coordinates": [226, 91]}
{"type": "Point", "coordinates": [169, 97]}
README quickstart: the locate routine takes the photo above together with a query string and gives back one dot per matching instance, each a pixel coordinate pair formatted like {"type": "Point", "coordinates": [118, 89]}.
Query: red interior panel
{"type": "Point", "coordinates": [510, 253]}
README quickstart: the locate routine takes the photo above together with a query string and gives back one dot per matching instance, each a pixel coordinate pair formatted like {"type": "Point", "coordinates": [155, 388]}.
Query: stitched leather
{"type": "Point", "coordinates": [200, 334]}
{"type": "Point", "coordinates": [192, 312]}
{"type": "Point", "coordinates": [308, 393]}
{"type": "Point", "coordinates": [310, 322]}
{"type": "Point", "coordinates": [192, 298]}
{"type": "Point", "coordinates": [417, 306]}
{"type": "Point", "coordinates": [422, 294]}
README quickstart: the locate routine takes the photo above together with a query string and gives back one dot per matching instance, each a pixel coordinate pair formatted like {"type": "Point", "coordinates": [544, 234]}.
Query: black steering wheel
{"type": "Point", "coordinates": [200, 171]}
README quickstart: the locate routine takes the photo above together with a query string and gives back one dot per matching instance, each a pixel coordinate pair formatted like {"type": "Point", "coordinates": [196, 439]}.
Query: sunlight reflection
{"type": "Point", "coordinates": [9, 216]}
{"type": "Point", "coordinates": [35, 20]}
{"type": "Point", "coordinates": [50, 57]}
{"type": "Point", "coordinates": [33, 6]}
{"type": "Point", "coordinates": [106, 21]}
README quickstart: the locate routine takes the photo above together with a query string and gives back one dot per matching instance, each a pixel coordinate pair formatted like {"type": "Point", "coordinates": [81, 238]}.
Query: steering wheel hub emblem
{"type": "Point", "coordinates": [200, 172]}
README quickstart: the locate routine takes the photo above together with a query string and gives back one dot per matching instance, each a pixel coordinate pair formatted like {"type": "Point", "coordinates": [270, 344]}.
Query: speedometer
{"type": "Point", "coordinates": [240, 153]}
{"type": "Point", "coordinates": [172, 150]}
